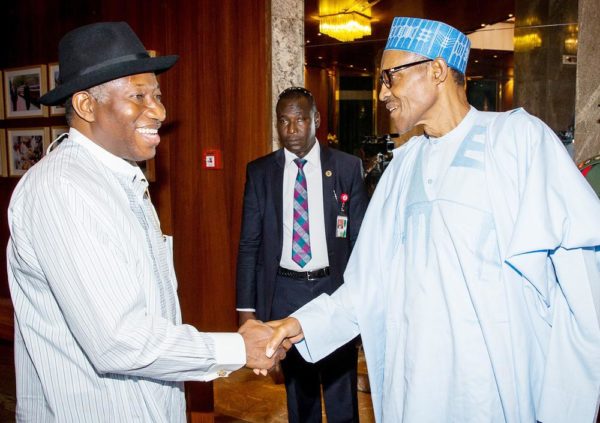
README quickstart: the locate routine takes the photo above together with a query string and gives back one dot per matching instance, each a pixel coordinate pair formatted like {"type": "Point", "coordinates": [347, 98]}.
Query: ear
{"type": "Point", "coordinates": [440, 70]}
{"type": "Point", "coordinates": [84, 105]}
{"type": "Point", "coordinates": [317, 119]}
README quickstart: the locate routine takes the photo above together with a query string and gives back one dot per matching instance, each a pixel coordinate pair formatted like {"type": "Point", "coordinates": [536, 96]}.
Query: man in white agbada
{"type": "Point", "coordinates": [475, 280]}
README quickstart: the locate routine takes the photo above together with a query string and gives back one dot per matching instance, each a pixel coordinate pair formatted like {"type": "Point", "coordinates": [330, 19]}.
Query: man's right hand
{"type": "Point", "coordinates": [244, 316]}
{"type": "Point", "coordinates": [286, 329]}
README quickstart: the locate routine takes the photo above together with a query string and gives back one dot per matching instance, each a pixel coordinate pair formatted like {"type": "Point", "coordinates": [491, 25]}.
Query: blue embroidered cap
{"type": "Point", "coordinates": [430, 39]}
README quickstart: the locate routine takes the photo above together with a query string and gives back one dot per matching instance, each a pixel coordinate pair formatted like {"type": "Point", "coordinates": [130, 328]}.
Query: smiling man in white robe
{"type": "Point", "coordinates": [475, 280]}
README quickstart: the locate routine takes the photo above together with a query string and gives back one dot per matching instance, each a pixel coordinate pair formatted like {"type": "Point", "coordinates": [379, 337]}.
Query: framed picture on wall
{"type": "Point", "coordinates": [23, 88]}
{"type": "Point", "coordinates": [3, 168]}
{"type": "Point", "coordinates": [26, 147]}
{"type": "Point", "coordinates": [56, 131]}
{"type": "Point", "coordinates": [52, 83]}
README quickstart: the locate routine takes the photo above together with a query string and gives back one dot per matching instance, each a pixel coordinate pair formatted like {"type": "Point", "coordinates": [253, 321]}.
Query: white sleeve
{"type": "Point", "coordinates": [62, 232]}
{"type": "Point", "coordinates": [328, 322]}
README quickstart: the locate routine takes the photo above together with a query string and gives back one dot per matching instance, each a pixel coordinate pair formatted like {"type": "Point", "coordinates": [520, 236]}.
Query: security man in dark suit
{"type": "Point", "coordinates": [303, 207]}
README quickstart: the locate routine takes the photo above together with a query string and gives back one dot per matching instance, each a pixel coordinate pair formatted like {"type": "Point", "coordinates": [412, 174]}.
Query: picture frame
{"type": "Point", "coordinates": [52, 83]}
{"type": "Point", "coordinates": [56, 131]}
{"type": "Point", "coordinates": [26, 147]}
{"type": "Point", "coordinates": [3, 162]}
{"type": "Point", "coordinates": [22, 89]}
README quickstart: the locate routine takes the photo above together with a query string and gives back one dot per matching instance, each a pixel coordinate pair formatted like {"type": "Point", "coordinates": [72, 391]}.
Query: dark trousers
{"type": "Point", "coordinates": [336, 373]}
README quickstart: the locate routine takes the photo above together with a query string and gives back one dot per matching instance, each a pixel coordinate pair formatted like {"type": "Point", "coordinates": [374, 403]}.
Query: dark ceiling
{"type": "Point", "coordinates": [363, 55]}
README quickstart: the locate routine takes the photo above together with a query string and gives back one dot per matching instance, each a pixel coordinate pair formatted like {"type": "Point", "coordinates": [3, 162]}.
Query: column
{"type": "Point", "coordinates": [287, 51]}
{"type": "Point", "coordinates": [587, 99]}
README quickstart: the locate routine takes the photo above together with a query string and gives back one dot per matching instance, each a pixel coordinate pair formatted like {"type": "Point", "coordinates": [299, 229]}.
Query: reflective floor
{"type": "Point", "coordinates": [258, 399]}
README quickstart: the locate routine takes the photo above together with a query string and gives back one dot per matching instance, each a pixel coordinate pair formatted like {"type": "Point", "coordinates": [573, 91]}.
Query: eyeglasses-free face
{"type": "Point", "coordinates": [386, 74]}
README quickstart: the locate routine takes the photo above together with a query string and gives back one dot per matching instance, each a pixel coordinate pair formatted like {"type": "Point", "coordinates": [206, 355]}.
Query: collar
{"type": "Point", "coordinates": [313, 157]}
{"type": "Point", "coordinates": [121, 167]}
{"type": "Point", "coordinates": [459, 131]}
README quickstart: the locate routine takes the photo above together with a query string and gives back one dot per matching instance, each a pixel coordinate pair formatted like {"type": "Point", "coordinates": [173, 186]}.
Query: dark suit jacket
{"type": "Point", "coordinates": [262, 228]}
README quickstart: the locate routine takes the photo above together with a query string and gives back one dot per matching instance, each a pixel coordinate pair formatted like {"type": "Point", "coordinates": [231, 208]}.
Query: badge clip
{"type": "Point", "coordinates": [342, 219]}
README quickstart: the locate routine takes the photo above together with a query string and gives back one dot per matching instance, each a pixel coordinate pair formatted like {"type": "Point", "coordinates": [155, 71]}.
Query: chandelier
{"type": "Point", "coordinates": [345, 20]}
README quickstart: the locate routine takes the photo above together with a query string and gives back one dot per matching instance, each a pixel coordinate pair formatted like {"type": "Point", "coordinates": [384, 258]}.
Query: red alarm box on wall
{"type": "Point", "coordinates": [212, 159]}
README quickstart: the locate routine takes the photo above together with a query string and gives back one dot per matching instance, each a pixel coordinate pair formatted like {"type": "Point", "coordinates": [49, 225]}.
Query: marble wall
{"type": "Point", "coordinates": [287, 50]}
{"type": "Point", "coordinates": [587, 121]}
{"type": "Point", "coordinates": [543, 84]}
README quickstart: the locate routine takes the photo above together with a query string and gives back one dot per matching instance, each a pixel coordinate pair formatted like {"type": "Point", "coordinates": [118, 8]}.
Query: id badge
{"type": "Point", "coordinates": [341, 226]}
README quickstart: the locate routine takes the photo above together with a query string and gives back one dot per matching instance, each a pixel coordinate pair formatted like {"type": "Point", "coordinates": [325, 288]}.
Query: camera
{"type": "Point", "coordinates": [377, 154]}
{"type": "Point", "coordinates": [373, 144]}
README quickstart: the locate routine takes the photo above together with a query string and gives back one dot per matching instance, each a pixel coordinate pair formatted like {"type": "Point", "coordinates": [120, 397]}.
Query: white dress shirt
{"type": "Point", "coordinates": [316, 221]}
{"type": "Point", "coordinates": [91, 344]}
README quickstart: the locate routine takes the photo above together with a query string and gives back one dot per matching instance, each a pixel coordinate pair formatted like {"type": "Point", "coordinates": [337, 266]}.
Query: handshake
{"type": "Point", "coordinates": [267, 343]}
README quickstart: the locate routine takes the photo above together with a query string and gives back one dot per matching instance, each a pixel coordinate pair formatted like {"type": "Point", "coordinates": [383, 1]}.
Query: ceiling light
{"type": "Point", "coordinates": [345, 26]}
{"type": "Point", "coordinates": [345, 20]}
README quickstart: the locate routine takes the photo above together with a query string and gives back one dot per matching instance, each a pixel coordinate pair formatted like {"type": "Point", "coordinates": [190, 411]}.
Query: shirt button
{"type": "Point", "coordinates": [430, 181]}
{"type": "Point", "coordinates": [221, 373]}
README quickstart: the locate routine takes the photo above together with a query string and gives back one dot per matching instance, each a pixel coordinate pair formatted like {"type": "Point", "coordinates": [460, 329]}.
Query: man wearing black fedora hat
{"type": "Point", "coordinates": [98, 331]}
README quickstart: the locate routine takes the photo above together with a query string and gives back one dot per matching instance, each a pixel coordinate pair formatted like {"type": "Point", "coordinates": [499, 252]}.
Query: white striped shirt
{"type": "Point", "coordinates": [90, 342]}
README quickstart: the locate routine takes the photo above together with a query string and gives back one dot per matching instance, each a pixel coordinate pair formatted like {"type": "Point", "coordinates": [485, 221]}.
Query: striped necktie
{"type": "Point", "coordinates": [300, 236]}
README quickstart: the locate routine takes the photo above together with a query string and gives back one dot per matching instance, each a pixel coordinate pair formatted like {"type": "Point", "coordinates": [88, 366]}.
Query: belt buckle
{"type": "Point", "coordinates": [309, 277]}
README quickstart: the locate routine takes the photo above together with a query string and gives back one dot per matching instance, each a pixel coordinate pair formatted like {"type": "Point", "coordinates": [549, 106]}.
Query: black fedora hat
{"type": "Point", "coordinates": [98, 53]}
